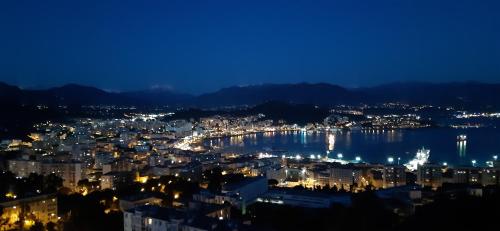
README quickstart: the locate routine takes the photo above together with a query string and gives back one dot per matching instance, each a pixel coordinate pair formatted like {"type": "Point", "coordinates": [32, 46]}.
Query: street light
{"type": "Point", "coordinates": [473, 163]}
{"type": "Point", "coordinates": [358, 159]}
{"type": "Point", "coordinates": [340, 156]}
{"type": "Point", "coordinates": [390, 160]}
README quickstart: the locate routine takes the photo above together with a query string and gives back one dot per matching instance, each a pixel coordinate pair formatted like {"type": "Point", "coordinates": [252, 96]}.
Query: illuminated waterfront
{"type": "Point", "coordinates": [373, 146]}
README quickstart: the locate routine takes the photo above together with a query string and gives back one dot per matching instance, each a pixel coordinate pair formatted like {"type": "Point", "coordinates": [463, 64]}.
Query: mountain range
{"type": "Point", "coordinates": [466, 94]}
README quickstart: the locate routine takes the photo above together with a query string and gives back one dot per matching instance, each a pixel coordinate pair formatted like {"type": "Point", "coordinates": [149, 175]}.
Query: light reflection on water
{"type": "Point", "coordinates": [373, 146]}
{"type": "Point", "coordinates": [462, 148]}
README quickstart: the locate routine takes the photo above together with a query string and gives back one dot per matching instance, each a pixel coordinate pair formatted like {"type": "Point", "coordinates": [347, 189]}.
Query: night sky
{"type": "Point", "coordinates": [200, 46]}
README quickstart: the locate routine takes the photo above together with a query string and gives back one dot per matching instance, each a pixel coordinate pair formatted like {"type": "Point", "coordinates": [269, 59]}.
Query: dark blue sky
{"type": "Point", "coordinates": [199, 46]}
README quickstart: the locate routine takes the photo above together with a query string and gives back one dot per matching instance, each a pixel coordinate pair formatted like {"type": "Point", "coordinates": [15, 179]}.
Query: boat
{"type": "Point", "coordinates": [420, 159]}
{"type": "Point", "coordinates": [462, 137]}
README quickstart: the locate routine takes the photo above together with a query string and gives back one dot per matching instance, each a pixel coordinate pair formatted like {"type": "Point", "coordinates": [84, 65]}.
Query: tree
{"type": "Point", "coordinates": [38, 226]}
{"type": "Point", "coordinates": [35, 181]}
{"type": "Point", "coordinates": [52, 182]}
{"type": "Point", "coordinates": [214, 178]}
{"type": "Point", "coordinates": [342, 189]}
{"type": "Point", "coordinates": [51, 226]}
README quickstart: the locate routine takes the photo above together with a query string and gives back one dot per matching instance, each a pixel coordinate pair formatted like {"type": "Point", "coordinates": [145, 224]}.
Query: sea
{"type": "Point", "coordinates": [373, 146]}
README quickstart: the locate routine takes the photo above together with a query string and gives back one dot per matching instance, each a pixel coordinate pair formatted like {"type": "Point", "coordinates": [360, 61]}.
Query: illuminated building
{"type": "Point", "coordinates": [181, 128]}
{"type": "Point", "coordinates": [490, 176]}
{"type": "Point", "coordinates": [24, 167]}
{"type": "Point", "coordinates": [70, 172]}
{"type": "Point", "coordinates": [278, 174]}
{"type": "Point", "coordinates": [137, 200]}
{"type": "Point", "coordinates": [28, 210]}
{"type": "Point", "coordinates": [303, 198]}
{"type": "Point", "coordinates": [430, 175]}
{"type": "Point", "coordinates": [112, 180]}
{"type": "Point", "coordinates": [344, 175]}
{"type": "Point", "coordinates": [466, 175]}
{"type": "Point", "coordinates": [246, 191]}
{"type": "Point", "coordinates": [120, 165]}
{"type": "Point", "coordinates": [393, 176]}
{"type": "Point", "coordinates": [155, 218]}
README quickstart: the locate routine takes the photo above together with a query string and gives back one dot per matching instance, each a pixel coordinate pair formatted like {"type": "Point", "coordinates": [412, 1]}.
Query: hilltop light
{"type": "Point", "coordinates": [495, 157]}
{"type": "Point", "coordinates": [358, 158]}
{"type": "Point", "coordinates": [390, 159]}
{"type": "Point", "coordinates": [473, 163]}
{"type": "Point", "coordinates": [445, 164]}
{"type": "Point", "coordinates": [340, 156]}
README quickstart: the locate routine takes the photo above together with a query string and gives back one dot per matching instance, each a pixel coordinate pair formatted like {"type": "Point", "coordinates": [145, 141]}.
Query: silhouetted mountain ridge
{"type": "Point", "coordinates": [462, 94]}
{"type": "Point", "coordinates": [74, 94]}
{"type": "Point", "coordinates": [467, 94]}
{"type": "Point", "coordinates": [301, 93]}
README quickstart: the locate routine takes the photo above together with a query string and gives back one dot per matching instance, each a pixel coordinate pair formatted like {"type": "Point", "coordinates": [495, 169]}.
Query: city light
{"type": "Point", "coordinates": [11, 195]}
{"type": "Point", "coordinates": [419, 160]}
{"type": "Point", "coordinates": [237, 108]}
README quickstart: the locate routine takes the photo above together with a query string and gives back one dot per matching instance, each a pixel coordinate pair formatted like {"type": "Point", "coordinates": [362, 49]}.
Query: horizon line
{"type": "Point", "coordinates": [169, 88]}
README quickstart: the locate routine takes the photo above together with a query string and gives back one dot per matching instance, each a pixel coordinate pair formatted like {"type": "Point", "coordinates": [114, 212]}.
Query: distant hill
{"type": "Point", "coordinates": [9, 94]}
{"type": "Point", "coordinates": [275, 110]}
{"type": "Point", "coordinates": [301, 93]}
{"type": "Point", "coordinates": [73, 94]}
{"type": "Point", "coordinates": [158, 96]}
{"type": "Point", "coordinates": [460, 94]}
{"type": "Point", "coordinates": [463, 94]}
